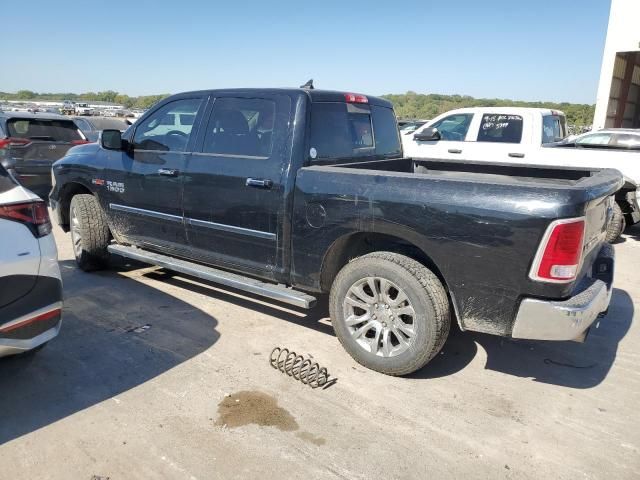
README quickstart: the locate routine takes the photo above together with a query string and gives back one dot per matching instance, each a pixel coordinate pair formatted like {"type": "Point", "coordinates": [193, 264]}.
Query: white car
{"type": "Point", "coordinates": [524, 136]}
{"type": "Point", "coordinates": [30, 282]}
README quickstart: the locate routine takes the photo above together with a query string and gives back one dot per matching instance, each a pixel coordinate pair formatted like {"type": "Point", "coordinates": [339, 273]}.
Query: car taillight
{"type": "Point", "coordinates": [13, 142]}
{"type": "Point", "coordinates": [560, 253]}
{"type": "Point", "coordinates": [355, 98]}
{"type": "Point", "coordinates": [79, 142]}
{"type": "Point", "coordinates": [33, 214]}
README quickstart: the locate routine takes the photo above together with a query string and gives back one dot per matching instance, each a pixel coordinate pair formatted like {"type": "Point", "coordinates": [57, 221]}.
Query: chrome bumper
{"type": "Point", "coordinates": [561, 320]}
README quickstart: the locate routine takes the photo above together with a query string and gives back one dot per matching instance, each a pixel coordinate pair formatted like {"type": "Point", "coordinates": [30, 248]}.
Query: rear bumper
{"type": "Point", "coordinates": [10, 346]}
{"type": "Point", "coordinates": [569, 319]}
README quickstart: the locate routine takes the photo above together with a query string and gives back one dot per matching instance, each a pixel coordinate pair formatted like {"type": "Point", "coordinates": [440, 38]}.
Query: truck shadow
{"type": "Point", "coordinates": [116, 334]}
{"type": "Point", "coordinates": [316, 319]}
{"type": "Point", "coordinates": [567, 364]}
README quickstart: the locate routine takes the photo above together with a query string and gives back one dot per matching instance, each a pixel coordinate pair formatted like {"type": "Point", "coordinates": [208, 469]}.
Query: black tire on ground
{"type": "Point", "coordinates": [616, 225]}
{"type": "Point", "coordinates": [425, 294]}
{"type": "Point", "coordinates": [90, 249]}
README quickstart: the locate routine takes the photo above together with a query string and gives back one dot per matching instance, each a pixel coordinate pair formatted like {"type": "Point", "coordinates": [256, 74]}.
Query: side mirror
{"type": "Point", "coordinates": [111, 140]}
{"type": "Point", "coordinates": [429, 134]}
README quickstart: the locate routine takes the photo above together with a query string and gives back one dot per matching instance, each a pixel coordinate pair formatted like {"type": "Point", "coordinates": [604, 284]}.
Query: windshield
{"type": "Point", "coordinates": [343, 130]}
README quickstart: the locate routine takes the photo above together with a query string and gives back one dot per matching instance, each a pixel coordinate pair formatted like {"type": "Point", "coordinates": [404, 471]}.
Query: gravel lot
{"type": "Point", "coordinates": [193, 395]}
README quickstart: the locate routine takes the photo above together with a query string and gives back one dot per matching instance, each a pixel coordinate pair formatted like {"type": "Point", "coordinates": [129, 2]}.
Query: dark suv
{"type": "Point", "coordinates": [30, 143]}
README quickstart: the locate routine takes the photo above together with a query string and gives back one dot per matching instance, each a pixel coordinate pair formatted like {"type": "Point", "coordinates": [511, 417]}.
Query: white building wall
{"type": "Point", "coordinates": [623, 35]}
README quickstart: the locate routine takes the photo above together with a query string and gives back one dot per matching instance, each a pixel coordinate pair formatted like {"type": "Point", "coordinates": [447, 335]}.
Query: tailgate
{"type": "Point", "coordinates": [597, 218]}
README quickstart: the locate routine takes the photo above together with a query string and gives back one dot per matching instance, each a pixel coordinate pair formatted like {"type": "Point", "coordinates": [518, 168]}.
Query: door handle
{"type": "Point", "coordinates": [259, 183]}
{"type": "Point", "coordinates": [168, 172]}
{"type": "Point", "coordinates": [517, 155]}
{"type": "Point", "coordinates": [454, 150]}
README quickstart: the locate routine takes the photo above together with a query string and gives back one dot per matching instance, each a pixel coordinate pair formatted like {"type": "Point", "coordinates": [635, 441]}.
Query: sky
{"type": "Point", "coordinates": [515, 49]}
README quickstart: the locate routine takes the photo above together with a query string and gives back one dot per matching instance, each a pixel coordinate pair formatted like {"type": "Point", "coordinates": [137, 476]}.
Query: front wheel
{"type": "Point", "coordinates": [389, 312]}
{"type": "Point", "coordinates": [89, 233]}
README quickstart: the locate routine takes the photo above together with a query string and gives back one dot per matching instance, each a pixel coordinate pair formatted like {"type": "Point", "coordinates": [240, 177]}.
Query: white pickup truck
{"type": "Point", "coordinates": [523, 135]}
{"type": "Point", "coordinates": [83, 109]}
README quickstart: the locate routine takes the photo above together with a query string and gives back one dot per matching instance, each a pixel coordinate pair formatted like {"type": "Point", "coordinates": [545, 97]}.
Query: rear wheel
{"type": "Point", "coordinates": [390, 312]}
{"type": "Point", "coordinates": [89, 233]}
{"type": "Point", "coordinates": [616, 225]}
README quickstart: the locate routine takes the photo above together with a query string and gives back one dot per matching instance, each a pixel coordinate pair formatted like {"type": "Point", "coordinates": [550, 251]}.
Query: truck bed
{"type": "Point", "coordinates": [479, 223]}
{"type": "Point", "coordinates": [490, 172]}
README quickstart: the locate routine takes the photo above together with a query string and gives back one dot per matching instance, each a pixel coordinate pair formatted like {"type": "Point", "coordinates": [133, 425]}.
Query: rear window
{"type": "Point", "coordinates": [345, 130]}
{"type": "Point", "coordinates": [42, 129]}
{"type": "Point", "coordinates": [554, 128]}
{"type": "Point", "coordinates": [500, 128]}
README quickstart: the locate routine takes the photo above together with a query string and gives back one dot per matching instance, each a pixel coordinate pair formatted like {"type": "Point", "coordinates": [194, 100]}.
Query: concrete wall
{"type": "Point", "coordinates": [623, 35]}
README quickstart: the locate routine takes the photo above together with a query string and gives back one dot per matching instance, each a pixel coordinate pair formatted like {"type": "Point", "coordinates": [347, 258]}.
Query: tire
{"type": "Point", "coordinates": [89, 233]}
{"type": "Point", "coordinates": [616, 225]}
{"type": "Point", "coordinates": [393, 275]}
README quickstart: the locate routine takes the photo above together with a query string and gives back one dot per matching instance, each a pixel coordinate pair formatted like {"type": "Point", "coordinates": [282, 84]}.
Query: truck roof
{"type": "Point", "coordinates": [507, 110]}
{"type": "Point", "coordinates": [314, 95]}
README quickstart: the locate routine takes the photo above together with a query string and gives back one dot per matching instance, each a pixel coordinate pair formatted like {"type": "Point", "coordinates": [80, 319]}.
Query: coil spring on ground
{"type": "Point", "coordinates": [300, 368]}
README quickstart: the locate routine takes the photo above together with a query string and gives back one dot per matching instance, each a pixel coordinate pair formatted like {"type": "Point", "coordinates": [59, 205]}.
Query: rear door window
{"type": "Point", "coordinates": [454, 128]}
{"type": "Point", "coordinates": [500, 128]}
{"type": "Point", "coordinates": [344, 130]}
{"type": "Point", "coordinates": [242, 127]}
{"type": "Point", "coordinates": [42, 129]}
{"type": "Point", "coordinates": [554, 128]}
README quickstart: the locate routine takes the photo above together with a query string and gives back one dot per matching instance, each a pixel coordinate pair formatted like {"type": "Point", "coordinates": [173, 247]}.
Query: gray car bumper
{"type": "Point", "coordinates": [15, 346]}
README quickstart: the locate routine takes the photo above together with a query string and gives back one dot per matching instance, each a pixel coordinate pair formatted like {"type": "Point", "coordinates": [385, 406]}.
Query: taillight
{"type": "Point", "coordinates": [355, 98]}
{"type": "Point", "coordinates": [13, 142]}
{"type": "Point", "coordinates": [33, 214]}
{"type": "Point", "coordinates": [560, 253]}
{"type": "Point", "coordinates": [79, 142]}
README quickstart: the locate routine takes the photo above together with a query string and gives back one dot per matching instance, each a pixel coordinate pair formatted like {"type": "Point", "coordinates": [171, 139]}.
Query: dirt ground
{"type": "Point", "coordinates": [155, 376]}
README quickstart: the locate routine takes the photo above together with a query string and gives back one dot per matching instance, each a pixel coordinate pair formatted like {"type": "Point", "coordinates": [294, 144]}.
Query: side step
{"type": "Point", "coordinates": [269, 290]}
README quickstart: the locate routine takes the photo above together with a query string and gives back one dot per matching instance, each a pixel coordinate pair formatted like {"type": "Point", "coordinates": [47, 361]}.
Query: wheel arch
{"type": "Point", "coordinates": [67, 192]}
{"type": "Point", "coordinates": [356, 244]}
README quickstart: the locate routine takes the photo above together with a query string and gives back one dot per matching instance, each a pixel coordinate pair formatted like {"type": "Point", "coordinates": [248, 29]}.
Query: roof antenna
{"type": "Point", "coordinates": [308, 85]}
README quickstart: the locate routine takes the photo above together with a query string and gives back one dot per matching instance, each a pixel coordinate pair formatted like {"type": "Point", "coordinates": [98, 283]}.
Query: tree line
{"type": "Point", "coordinates": [407, 105]}
{"type": "Point", "coordinates": [418, 106]}
{"type": "Point", "coordinates": [143, 101]}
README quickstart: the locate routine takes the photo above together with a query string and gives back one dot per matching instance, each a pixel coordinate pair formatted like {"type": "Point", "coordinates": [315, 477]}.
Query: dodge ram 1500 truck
{"type": "Point", "coordinates": [289, 193]}
{"type": "Point", "coordinates": [525, 136]}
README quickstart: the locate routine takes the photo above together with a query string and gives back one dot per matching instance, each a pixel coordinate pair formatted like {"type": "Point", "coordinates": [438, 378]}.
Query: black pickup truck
{"type": "Point", "coordinates": [289, 193]}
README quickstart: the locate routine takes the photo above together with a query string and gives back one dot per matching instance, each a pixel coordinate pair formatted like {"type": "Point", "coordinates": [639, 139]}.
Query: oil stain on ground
{"type": "Point", "coordinates": [253, 407]}
{"type": "Point", "coordinates": [244, 408]}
